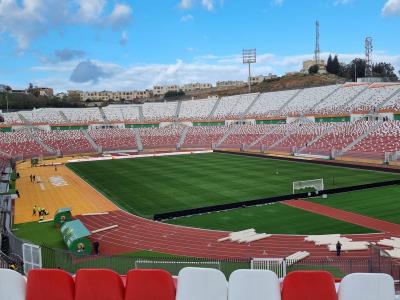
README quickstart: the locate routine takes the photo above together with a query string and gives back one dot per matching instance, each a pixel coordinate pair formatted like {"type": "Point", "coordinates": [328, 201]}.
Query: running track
{"type": "Point", "coordinates": [135, 233]}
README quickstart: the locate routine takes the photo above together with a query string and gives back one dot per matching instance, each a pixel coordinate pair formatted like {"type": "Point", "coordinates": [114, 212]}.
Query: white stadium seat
{"type": "Point", "coordinates": [12, 285]}
{"type": "Point", "coordinates": [254, 285]}
{"type": "Point", "coordinates": [361, 286]}
{"type": "Point", "coordinates": [201, 284]}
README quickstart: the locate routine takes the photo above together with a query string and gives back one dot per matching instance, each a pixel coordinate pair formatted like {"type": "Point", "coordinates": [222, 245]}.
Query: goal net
{"type": "Point", "coordinates": [317, 184]}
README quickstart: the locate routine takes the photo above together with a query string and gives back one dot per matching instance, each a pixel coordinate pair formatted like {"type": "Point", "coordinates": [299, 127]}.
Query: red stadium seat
{"type": "Point", "coordinates": [149, 285]}
{"type": "Point", "coordinates": [49, 284]}
{"type": "Point", "coordinates": [98, 284]}
{"type": "Point", "coordinates": [312, 285]}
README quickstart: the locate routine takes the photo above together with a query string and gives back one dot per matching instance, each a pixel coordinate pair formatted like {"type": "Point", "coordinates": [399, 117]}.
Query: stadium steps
{"type": "Point", "coordinates": [138, 139]}
{"type": "Point", "coordinates": [41, 143]}
{"type": "Point", "coordinates": [183, 136]}
{"type": "Point", "coordinates": [103, 115]}
{"type": "Point", "coordinates": [359, 139]}
{"type": "Point", "coordinates": [25, 120]}
{"type": "Point", "coordinates": [397, 92]}
{"type": "Point", "coordinates": [211, 115]}
{"type": "Point", "coordinates": [230, 130]}
{"type": "Point", "coordinates": [317, 138]}
{"type": "Point", "coordinates": [64, 117]}
{"type": "Point", "coordinates": [354, 97]}
{"type": "Point", "coordinates": [178, 109]}
{"type": "Point", "coordinates": [244, 114]}
{"type": "Point", "coordinates": [141, 116]}
{"type": "Point", "coordinates": [91, 141]}
{"type": "Point", "coordinates": [5, 154]}
{"type": "Point", "coordinates": [279, 111]}
{"type": "Point", "coordinates": [285, 137]}
{"type": "Point", "coordinates": [259, 139]}
{"type": "Point", "coordinates": [311, 110]}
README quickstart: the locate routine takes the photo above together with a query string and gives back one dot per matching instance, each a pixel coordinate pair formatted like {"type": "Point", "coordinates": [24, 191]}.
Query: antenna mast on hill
{"type": "Point", "coordinates": [317, 53]}
{"type": "Point", "coordinates": [368, 56]}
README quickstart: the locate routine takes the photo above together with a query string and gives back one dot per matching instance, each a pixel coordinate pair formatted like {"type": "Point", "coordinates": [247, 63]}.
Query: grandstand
{"type": "Point", "coordinates": [324, 121]}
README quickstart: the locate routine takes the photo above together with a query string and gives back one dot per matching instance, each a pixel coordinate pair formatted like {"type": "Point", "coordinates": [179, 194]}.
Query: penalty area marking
{"type": "Point", "coordinates": [104, 229]}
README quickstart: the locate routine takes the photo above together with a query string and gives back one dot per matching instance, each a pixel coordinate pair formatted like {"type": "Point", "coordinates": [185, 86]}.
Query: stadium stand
{"type": "Point", "coordinates": [385, 139]}
{"type": "Point", "coordinates": [333, 104]}
{"type": "Point", "coordinates": [161, 137]}
{"type": "Point", "coordinates": [307, 99]}
{"type": "Point", "coordinates": [375, 95]}
{"type": "Point", "coordinates": [12, 118]}
{"type": "Point", "coordinates": [233, 106]}
{"type": "Point", "coordinates": [204, 136]}
{"type": "Point", "coordinates": [81, 116]}
{"type": "Point", "coordinates": [43, 116]}
{"type": "Point", "coordinates": [196, 109]}
{"type": "Point", "coordinates": [66, 142]}
{"type": "Point", "coordinates": [160, 111]}
{"type": "Point", "coordinates": [269, 104]}
{"type": "Point", "coordinates": [339, 137]}
{"type": "Point", "coordinates": [20, 143]}
{"type": "Point", "coordinates": [114, 138]}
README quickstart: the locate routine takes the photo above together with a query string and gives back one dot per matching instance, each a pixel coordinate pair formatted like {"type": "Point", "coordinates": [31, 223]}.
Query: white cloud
{"type": "Point", "coordinates": [120, 16]}
{"type": "Point", "coordinates": [208, 4]}
{"type": "Point", "coordinates": [391, 8]}
{"type": "Point", "coordinates": [187, 18]}
{"type": "Point", "coordinates": [25, 20]}
{"type": "Point", "coordinates": [90, 10]}
{"type": "Point", "coordinates": [277, 2]}
{"type": "Point", "coordinates": [342, 2]}
{"type": "Point", "coordinates": [124, 38]}
{"type": "Point", "coordinates": [186, 4]}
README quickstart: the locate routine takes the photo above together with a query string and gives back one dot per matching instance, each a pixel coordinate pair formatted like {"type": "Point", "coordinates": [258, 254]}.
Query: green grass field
{"type": "Point", "coordinates": [44, 234]}
{"type": "Point", "coordinates": [274, 218]}
{"type": "Point", "coordinates": [148, 186]}
{"type": "Point", "coordinates": [380, 203]}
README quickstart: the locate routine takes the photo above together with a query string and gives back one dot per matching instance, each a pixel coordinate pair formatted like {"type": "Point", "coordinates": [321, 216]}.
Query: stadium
{"type": "Point", "coordinates": [285, 189]}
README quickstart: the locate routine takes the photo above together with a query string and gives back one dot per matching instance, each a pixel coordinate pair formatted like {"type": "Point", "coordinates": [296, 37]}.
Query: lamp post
{"type": "Point", "coordinates": [249, 57]}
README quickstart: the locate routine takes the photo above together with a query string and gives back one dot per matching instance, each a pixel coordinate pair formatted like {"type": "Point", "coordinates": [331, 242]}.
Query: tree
{"type": "Point", "coordinates": [383, 69]}
{"type": "Point", "coordinates": [335, 65]}
{"type": "Point", "coordinates": [313, 69]}
{"type": "Point", "coordinates": [329, 66]}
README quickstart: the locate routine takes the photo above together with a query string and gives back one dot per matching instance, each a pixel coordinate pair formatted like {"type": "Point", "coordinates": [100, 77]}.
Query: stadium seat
{"type": "Point", "coordinates": [149, 285]}
{"type": "Point", "coordinates": [201, 284]}
{"type": "Point", "coordinates": [98, 284]}
{"type": "Point", "coordinates": [254, 285]}
{"type": "Point", "coordinates": [49, 284]}
{"type": "Point", "coordinates": [309, 285]}
{"type": "Point", "coordinates": [363, 286]}
{"type": "Point", "coordinates": [12, 285]}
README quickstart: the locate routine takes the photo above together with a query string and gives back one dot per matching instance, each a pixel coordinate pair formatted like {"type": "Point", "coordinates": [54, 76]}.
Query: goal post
{"type": "Point", "coordinates": [317, 184]}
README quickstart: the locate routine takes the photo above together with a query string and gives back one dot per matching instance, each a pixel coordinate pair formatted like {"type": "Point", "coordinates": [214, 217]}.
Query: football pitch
{"type": "Point", "coordinates": [147, 186]}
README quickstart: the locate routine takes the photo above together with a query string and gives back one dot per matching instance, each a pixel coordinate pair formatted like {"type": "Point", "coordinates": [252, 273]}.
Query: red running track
{"type": "Point", "coordinates": [135, 233]}
{"type": "Point", "coordinates": [345, 216]}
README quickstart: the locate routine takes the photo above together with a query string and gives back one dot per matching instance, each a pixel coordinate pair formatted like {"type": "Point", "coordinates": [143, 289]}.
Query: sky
{"type": "Point", "coordinates": [123, 45]}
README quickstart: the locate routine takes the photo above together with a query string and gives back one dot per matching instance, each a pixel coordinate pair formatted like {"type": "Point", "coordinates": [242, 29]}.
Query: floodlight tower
{"type": "Point", "coordinates": [368, 56]}
{"type": "Point", "coordinates": [249, 57]}
{"type": "Point", "coordinates": [317, 52]}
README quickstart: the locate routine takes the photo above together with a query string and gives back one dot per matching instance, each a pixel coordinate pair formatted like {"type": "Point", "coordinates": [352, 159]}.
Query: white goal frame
{"type": "Point", "coordinates": [318, 184]}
